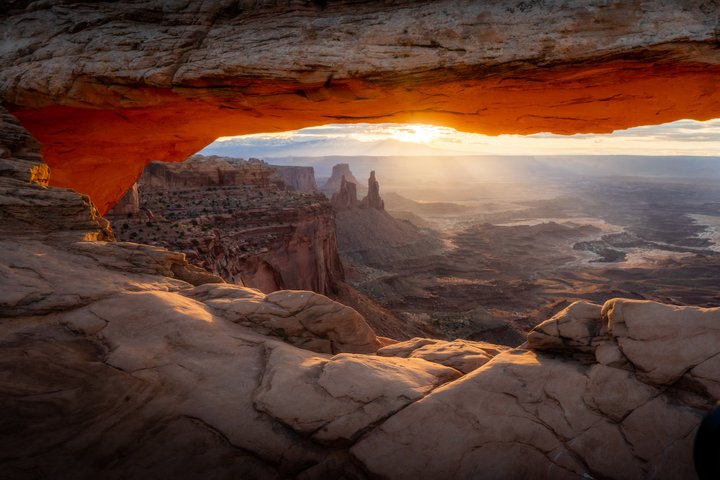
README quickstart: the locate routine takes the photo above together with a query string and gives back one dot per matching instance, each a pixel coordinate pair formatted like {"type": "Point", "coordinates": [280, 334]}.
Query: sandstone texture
{"type": "Point", "coordinates": [119, 360]}
{"type": "Point", "coordinates": [108, 86]}
{"type": "Point", "coordinates": [27, 205]}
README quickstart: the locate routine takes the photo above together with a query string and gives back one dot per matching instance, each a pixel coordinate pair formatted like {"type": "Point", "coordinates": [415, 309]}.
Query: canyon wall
{"type": "Point", "coordinates": [108, 87]}
{"type": "Point", "coordinates": [238, 220]}
{"type": "Point", "coordinates": [300, 179]}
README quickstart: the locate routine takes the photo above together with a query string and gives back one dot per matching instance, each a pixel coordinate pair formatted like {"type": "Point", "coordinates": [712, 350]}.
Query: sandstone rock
{"type": "Point", "coordinates": [532, 405]}
{"type": "Point", "coordinates": [238, 220]}
{"type": "Point", "coordinates": [333, 184]}
{"type": "Point", "coordinates": [28, 208]}
{"type": "Point", "coordinates": [101, 365]}
{"type": "Point", "coordinates": [299, 179]}
{"type": "Point", "coordinates": [199, 171]}
{"type": "Point", "coordinates": [373, 200]}
{"type": "Point", "coordinates": [663, 341]}
{"type": "Point", "coordinates": [155, 81]}
{"type": "Point", "coordinates": [336, 399]}
{"type": "Point", "coordinates": [462, 355]}
{"type": "Point", "coordinates": [138, 258]}
{"type": "Point", "coordinates": [572, 329]}
{"type": "Point", "coordinates": [304, 319]}
{"type": "Point", "coordinates": [128, 205]}
{"type": "Point", "coordinates": [346, 196]}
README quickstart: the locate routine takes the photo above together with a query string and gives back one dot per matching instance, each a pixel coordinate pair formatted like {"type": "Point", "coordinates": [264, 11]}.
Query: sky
{"type": "Point", "coordinates": [684, 137]}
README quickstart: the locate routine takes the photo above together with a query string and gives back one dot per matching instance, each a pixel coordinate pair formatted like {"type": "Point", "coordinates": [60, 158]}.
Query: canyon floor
{"type": "Point", "coordinates": [518, 253]}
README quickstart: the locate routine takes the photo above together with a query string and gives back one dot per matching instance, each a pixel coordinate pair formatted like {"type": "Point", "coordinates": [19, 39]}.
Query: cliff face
{"type": "Point", "coordinates": [237, 220]}
{"type": "Point", "coordinates": [107, 86]}
{"type": "Point", "coordinates": [300, 179]}
{"type": "Point", "coordinates": [129, 204]}
{"type": "Point", "coordinates": [203, 172]}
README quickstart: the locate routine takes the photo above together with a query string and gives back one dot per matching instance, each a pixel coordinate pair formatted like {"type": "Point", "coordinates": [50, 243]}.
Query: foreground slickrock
{"type": "Point", "coordinates": [119, 360]}
{"type": "Point", "coordinates": [109, 86]}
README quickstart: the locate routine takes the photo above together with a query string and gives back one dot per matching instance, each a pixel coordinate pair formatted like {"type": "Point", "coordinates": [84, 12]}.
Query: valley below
{"type": "Point", "coordinates": [476, 259]}
{"type": "Point", "coordinates": [504, 256]}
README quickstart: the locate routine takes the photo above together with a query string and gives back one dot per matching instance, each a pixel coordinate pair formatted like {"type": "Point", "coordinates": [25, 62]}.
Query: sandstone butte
{"type": "Point", "coordinates": [121, 360]}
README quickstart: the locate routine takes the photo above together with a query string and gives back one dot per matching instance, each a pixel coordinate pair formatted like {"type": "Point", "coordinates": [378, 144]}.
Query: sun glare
{"type": "Point", "coordinates": [417, 133]}
{"type": "Point", "coordinates": [683, 137]}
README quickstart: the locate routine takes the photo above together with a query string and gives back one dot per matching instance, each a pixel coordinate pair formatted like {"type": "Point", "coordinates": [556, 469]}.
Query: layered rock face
{"type": "Point", "coordinates": [300, 179]}
{"type": "Point", "coordinates": [108, 87]}
{"type": "Point", "coordinates": [27, 206]}
{"type": "Point", "coordinates": [236, 219]}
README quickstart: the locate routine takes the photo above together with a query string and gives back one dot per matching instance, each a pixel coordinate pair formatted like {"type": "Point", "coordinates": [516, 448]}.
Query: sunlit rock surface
{"type": "Point", "coordinates": [108, 86]}
{"type": "Point", "coordinates": [121, 361]}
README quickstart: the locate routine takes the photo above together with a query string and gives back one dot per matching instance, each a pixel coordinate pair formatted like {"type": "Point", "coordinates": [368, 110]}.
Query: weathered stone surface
{"type": "Point", "coordinates": [462, 355]}
{"type": "Point", "coordinates": [305, 319]}
{"type": "Point", "coordinates": [535, 408]}
{"type": "Point", "coordinates": [163, 80]}
{"type": "Point", "coordinates": [663, 341]}
{"type": "Point", "coordinates": [571, 329]}
{"type": "Point", "coordinates": [336, 399]}
{"type": "Point", "coordinates": [103, 358]}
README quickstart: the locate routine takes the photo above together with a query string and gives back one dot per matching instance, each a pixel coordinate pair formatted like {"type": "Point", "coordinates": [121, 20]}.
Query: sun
{"type": "Point", "coordinates": [416, 133]}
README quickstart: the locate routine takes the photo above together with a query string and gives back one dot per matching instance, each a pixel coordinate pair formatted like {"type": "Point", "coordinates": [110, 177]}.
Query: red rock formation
{"type": "Point", "coordinates": [237, 219]}
{"type": "Point", "coordinates": [340, 172]}
{"type": "Point", "coordinates": [118, 85]}
{"type": "Point", "coordinates": [129, 204]}
{"type": "Point", "coordinates": [372, 199]}
{"type": "Point", "coordinates": [346, 197]}
{"type": "Point", "coordinates": [300, 179]}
